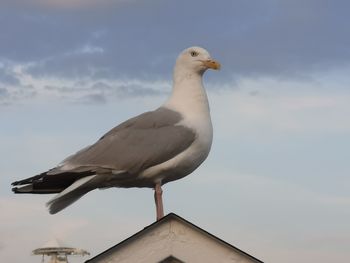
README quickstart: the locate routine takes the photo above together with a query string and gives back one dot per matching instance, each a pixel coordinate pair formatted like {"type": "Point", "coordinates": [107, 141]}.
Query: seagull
{"type": "Point", "coordinates": [149, 150]}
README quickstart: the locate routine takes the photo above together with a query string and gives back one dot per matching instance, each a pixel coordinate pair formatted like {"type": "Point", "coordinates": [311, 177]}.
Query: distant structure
{"type": "Point", "coordinates": [57, 252]}
{"type": "Point", "coordinates": [173, 239]}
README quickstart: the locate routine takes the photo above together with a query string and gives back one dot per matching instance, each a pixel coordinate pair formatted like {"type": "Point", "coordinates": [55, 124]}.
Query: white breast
{"type": "Point", "coordinates": [190, 100]}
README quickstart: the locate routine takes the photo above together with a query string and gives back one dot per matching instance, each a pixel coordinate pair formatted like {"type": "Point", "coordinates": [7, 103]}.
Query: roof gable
{"type": "Point", "coordinates": [176, 239]}
{"type": "Point", "coordinates": [171, 259]}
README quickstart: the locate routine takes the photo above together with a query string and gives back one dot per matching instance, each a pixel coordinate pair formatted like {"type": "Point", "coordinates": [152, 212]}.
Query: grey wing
{"type": "Point", "coordinates": [135, 145]}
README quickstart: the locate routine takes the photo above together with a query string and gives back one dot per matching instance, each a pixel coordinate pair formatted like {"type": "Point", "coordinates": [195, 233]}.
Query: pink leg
{"type": "Point", "coordinates": [159, 201]}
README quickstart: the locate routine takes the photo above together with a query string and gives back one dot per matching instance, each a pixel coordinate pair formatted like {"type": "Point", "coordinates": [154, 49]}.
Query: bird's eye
{"type": "Point", "coordinates": [194, 53]}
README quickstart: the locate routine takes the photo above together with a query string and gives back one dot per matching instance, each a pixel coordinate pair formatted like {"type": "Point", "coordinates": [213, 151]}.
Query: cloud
{"type": "Point", "coordinates": [267, 38]}
{"type": "Point", "coordinates": [65, 4]}
{"type": "Point", "coordinates": [6, 76]}
{"type": "Point", "coordinates": [3, 93]}
{"type": "Point", "coordinates": [84, 89]}
{"type": "Point", "coordinates": [88, 49]}
{"type": "Point", "coordinates": [93, 99]}
{"type": "Point", "coordinates": [74, 4]}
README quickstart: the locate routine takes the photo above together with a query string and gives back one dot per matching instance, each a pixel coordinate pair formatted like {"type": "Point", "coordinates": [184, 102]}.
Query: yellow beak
{"type": "Point", "coordinates": [211, 63]}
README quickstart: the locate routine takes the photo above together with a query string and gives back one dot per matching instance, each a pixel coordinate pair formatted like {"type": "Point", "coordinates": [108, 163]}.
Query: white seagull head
{"type": "Point", "coordinates": [196, 59]}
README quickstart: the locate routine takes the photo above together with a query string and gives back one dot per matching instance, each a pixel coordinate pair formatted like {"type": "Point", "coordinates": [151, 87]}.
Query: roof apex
{"type": "Point", "coordinates": [169, 217]}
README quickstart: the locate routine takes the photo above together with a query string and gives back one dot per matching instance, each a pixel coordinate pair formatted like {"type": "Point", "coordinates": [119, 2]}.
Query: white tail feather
{"type": "Point", "coordinates": [70, 194]}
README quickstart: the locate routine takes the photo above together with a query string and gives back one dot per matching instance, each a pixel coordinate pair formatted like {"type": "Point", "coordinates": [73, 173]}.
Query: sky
{"type": "Point", "coordinates": [277, 181]}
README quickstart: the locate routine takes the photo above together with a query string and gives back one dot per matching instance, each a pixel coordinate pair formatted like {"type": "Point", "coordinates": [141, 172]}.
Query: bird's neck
{"type": "Point", "coordinates": [188, 93]}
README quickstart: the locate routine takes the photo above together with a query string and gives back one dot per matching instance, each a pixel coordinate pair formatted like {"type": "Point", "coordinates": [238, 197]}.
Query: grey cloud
{"type": "Point", "coordinates": [101, 86]}
{"type": "Point", "coordinates": [75, 65]}
{"type": "Point", "coordinates": [65, 5]}
{"type": "Point", "coordinates": [7, 76]}
{"type": "Point", "coordinates": [59, 89]}
{"type": "Point", "coordinates": [124, 90]}
{"type": "Point", "coordinates": [4, 97]}
{"type": "Point", "coordinates": [293, 38]}
{"type": "Point", "coordinates": [250, 38]}
{"type": "Point", "coordinates": [92, 99]}
{"type": "Point", "coordinates": [254, 93]}
{"type": "Point", "coordinates": [9, 96]}
{"type": "Point", "coordinates": [8, 79]}
{"type": "Point", "coordinates": [23, 92]}
{"type": "Point", "coordinates": [137, 91]}
{"type": "Point", "coordinates": [3, 92]}
{"type": "Point", "coordinates": [100, 92]}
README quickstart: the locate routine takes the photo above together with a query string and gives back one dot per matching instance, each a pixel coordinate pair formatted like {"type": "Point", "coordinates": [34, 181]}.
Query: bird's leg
{"type": "Point", "coordinates": [159, 201]}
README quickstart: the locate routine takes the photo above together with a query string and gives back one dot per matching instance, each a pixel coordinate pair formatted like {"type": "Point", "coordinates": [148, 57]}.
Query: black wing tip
{"type": "Point", "coordinates": [53, 211]}
{"type": "Point", "coordinates": [15, 183]}
{"type": "Point", "coordinates": [29, 180]}
{"type": "Point", "coordinates": [15, 190]}
{"type": "Point", "coordinates": [22, 182]}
